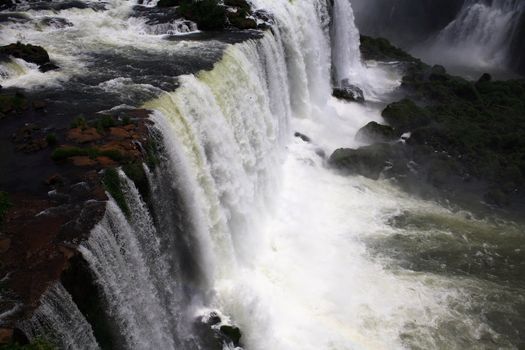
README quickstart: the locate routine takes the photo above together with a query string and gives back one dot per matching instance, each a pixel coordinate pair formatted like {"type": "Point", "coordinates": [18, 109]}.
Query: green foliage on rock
{"type": "Point", "coordinates": [112, 184]}
{"type": "Point", "coordinates": [381, 49]}
{"type": "Point", "coordinates": [405, 115]}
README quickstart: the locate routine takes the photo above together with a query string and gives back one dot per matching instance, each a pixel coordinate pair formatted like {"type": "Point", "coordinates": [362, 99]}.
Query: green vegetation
{"type": "Point", "coordinates": [36, 344]}
{"type": "Point", "coordinates": [79, 122]}
{"type": "Point", "coordinates": [51, 139]}
{"type": "Point", "coordinates": [5, 205]}
{"type": "Point", "coordinates": [467, 138]}
{"type": "Point", "coordinates": [405, 115]}
{"type": "Point", "coordinates": [380, 49]}
{"type": "Point", "coordinates": [113, 185]}
{"type": "Point", "coordinates": [71, 151]}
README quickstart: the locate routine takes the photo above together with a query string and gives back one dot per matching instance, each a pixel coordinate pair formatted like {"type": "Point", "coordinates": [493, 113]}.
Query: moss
{"type": "Point", "coordinates": [381, 49]}
{"type": "Point", "coordinates": [103, 123]}
{"type": "Point", "coordinates": [112, 184]}
{"type": "Point", "coordinates": [70, 151]}
{"type": "Point", "coordinates": [5, 205]}
{"type": "Point", "coordinates": [79, 122]}
{"type": "Point", "coordinates": [405, 115]}
{"type": "Point", "coordinates": [39, 343]}
{"type": "Point", "coordinates": [135, 172]}
{"type": "Point", "coordinates": [51, 139]}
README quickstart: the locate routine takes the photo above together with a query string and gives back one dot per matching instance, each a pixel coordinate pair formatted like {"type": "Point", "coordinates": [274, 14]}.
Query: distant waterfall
{"type": "Point", "coordinates": [482, 32]}
{"type": "Point", "coordinates": [59, 317]}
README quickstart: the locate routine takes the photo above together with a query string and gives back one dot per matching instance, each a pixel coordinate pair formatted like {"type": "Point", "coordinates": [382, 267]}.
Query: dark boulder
{"type": "Point", "coordinates": [405, 116]}
{"type": "Point", "coordinates": [169, 3]}
{"type": "Point", "coordinates": [375, 132]}
{"type": "Point", "coordinates": [302, 137]}
{"type": "Point", "coordinates": [242, 4]}
{"type": "Point", "coordinates": [232, 334]}
{"type": "Point", "coordinates": [485, 78]}
{"type": "Point", "coordinates": [349, 92]}
{"type": "Point", "coordinates": [208, 14]}
{"type": "Point", "coordinates": [27, 52]}
{"type": "Point", "coordinates": [240, 20]}
{"type": "Point", "coordinates": [369, 161]}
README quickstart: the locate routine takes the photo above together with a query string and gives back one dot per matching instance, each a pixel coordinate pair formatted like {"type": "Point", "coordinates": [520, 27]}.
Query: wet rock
{"type": "Point", "coordinates": [82, 161]}
{"type": "Point", "coordinates": [242, 4]}
{"type": "Point", "coordinates": [231, 333]}
{"type": "Point", "coordinates": [27, 52]}
{"type": "Point", "coordinates": [240, 20]}
{"type": "Point", "coordinates": [119, 133]}
{"type": "Point", "coordinates": [375, 132]}
{"type": "Point", "coordinates": [39, 104]}
{"type": "Point", "coordinates": [54, 179]}
{"type": "Point", "coordinates": [46, 67]}
{"type": "Point", "coordinates": [28, 139]}
{"type": "Point", "coordinates": [369, 161]}
{"type": "Point", "coordinates": [5, 243]}
{"type": "Point", "coordinates": [80, 135]}
{"type": "Point", "coordinates": [349, 92]}
{"type": "Point", "coordinates": [302, 137]}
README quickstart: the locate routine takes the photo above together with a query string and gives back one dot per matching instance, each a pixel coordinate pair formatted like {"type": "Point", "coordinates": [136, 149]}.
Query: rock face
{"type": "Point", "coordinates": [375, 132]}
{"type": "Point", "coordinates": [42, 224]}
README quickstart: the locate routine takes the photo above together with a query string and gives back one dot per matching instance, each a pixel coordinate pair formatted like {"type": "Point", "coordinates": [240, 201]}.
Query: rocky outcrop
{"type": "Point", "coordinates": [349, 92]}
{"type": "Point", "coordinates": [42, 224]}
{"type": "Point", "coordinates": [375, 132]}
{"type": "Point", "coordinates": [29, 53]}
{"type": "Point", "coordinates": [462, 145]}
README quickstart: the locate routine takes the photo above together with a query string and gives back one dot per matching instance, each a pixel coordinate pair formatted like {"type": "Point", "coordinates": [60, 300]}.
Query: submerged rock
{"type": "Point", "coordinates": [375, 132]}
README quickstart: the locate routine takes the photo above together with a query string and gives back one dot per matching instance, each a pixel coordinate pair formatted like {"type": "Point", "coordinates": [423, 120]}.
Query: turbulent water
{"type": "Point", "coordinates": [296, 255]}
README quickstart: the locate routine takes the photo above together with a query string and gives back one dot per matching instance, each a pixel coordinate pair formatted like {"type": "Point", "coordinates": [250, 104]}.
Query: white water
{"type": "Point", "coordinates": [59, 317]}
{"type": "Point", "coordinates": [280, 237]}
{"type": "Point", "coordinates": [480, 36]}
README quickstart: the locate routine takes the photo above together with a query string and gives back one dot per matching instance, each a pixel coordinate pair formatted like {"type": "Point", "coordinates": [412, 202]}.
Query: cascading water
{"type": "Point", "coordinates": [58, 317]}
{"type": "Point", "coordinates": [345, 46]}
{"type": "Point", "coordinates": [248, 221]}
{"type": "Point", "coordinates": [480, 36]}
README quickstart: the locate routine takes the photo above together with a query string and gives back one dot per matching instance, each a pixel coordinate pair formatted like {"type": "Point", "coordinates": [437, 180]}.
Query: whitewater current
{"type": "Point", "coordinates": [293, 253]}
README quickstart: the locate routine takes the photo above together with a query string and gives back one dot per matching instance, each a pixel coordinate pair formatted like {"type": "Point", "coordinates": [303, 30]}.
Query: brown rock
{"type": "Point", "coordinates": [129, 127]}
{"type": "Point", "coordinates": [83, 136]}
{"type": "Point", "coordinates": [119, 133]}
{"type": "Point", "coordinates": [5, 243]}
{"type": "Point", "coordinates": [83, 161]}
{"type": "Point", "coordinates": [54, 179]}
{"type": "Point", "coordinates": [6, 335]}
{"type": "Point", "coordinates": [106, 162]}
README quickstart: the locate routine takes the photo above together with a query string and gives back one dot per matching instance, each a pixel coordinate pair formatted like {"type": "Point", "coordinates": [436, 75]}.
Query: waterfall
{"type": "Point", "coordinates": [58, 317]}
{"type": "Point", "coordinates": [481, 34]}
{"type": "Point", "coordinates": [345, 47]}
{"type": "Point", "coordinates": [138, 283]}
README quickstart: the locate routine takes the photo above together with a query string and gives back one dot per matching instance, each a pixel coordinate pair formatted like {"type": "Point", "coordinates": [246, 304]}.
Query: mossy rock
{"type": "Point", "coordinates": [113, 185]}
{"type": "Point", "coordinates": [369, 161]}
{"type": "Point", "coordinates": [405, 116]}
{"type": "Point", "coordinates": [380, 49]}
{"type": "Point", "coordinates": [375, 132]}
